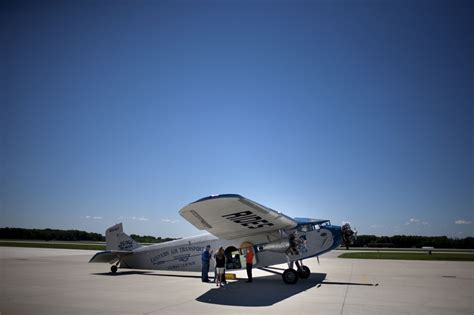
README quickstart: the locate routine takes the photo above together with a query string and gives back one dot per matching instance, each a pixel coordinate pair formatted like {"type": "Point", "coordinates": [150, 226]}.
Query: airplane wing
{"type": "Point", "coordinates": [232, 216]}
{"type": "Point", "coordinates": [109, 256]}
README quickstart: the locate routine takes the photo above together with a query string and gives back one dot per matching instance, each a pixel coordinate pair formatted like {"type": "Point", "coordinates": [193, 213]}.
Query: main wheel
{"type": "Point", "coordinates": [290, 276]}
{"type": "Point", "coordinates": [113, 269]}
{"type": "Point", "coordinates": [304, 272]}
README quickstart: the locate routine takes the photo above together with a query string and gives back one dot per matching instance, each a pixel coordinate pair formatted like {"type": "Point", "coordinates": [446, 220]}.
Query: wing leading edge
{"type": "Point", "coordinates": [232, 216]}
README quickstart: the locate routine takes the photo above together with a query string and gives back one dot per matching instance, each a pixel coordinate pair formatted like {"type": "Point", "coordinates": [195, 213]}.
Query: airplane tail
{"type": "Point", "coordinates": [116, 239]}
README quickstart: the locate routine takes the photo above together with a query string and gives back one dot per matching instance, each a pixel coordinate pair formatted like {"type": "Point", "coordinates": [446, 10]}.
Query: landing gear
{"type": "Point", "coordinates": [304, 272]}
{"type": "Point", "coordinates": [290, 276]}
{"type": "Point", "coordinates": [113, 269]}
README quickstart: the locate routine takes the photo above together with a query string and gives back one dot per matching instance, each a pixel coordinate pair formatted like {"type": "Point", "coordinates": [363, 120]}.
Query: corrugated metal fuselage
{"type": "Point", "coordinates": [185, 254]}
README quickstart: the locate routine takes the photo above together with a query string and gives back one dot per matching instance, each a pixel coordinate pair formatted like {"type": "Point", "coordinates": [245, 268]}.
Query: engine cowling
{"type": "Point", "coordinates": [278, 246]}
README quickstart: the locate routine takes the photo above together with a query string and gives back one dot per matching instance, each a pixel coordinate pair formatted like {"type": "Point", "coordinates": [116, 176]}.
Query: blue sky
{"type": "Point", "coordinates": [126, 111]}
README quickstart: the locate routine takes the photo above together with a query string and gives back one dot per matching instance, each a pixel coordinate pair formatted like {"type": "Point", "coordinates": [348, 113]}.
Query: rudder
{"type": "Point", "coordinates": [116, 239]}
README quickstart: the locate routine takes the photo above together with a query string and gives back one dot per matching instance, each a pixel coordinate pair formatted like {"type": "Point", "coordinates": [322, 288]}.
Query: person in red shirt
{"type": "Point", "coordinates": [249, 260]}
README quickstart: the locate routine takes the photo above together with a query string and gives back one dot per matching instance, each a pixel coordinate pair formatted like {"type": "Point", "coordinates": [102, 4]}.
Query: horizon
{"type": "Point", "coordinates": [342, 110]}
{"type": "Point", "coordinates": [164, 237]}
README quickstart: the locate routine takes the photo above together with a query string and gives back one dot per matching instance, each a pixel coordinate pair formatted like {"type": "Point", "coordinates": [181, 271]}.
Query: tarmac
{"type": "Point", "coordinates": [60, 281]}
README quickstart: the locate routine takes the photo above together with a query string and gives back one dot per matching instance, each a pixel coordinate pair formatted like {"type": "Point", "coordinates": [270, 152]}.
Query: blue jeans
{"type": "Point", "coordinates": [205, 271]}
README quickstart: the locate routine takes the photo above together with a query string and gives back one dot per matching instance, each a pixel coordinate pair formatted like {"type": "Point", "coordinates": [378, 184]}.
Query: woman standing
{"type": "Point", "coordinates": [220, 266]}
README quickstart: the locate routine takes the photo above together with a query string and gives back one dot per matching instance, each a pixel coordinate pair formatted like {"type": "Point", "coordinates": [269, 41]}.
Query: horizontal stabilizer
{"type": "Point", "coordinates": [109, 256]}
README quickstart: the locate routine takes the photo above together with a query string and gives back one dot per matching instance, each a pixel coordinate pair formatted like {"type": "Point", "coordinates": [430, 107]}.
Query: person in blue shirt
{"type": "Point", "coordinates": [205, 259]}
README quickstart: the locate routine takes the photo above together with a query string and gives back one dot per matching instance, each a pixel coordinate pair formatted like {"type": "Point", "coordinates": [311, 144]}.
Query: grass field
{"type": "Point", "coordinates": [65, 245]}
{"type": "Point", "coordinates": [410, 256]}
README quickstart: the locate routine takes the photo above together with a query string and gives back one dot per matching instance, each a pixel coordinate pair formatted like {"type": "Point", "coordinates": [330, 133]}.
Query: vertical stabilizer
{"type": "Point", "coordinates": [117, 240]}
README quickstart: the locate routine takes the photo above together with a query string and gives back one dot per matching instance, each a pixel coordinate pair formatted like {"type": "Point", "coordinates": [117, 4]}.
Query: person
{"type": "Point", "coordinates": [205, 260]}
{"type": "Point", "coordinates": [220, 266]}
{"type": "Point", "coordinates": [215, 268]}
{"type": "Point", "coordinates": [249, 261]}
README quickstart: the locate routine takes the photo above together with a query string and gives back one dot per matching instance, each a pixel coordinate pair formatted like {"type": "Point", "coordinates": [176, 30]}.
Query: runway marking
{"type": "Point", "coordinates": [351, 283]}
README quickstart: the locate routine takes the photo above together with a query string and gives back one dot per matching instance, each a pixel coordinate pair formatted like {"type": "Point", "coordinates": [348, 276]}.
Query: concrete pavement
{"type": "Point", "coordinates": [56, 281]}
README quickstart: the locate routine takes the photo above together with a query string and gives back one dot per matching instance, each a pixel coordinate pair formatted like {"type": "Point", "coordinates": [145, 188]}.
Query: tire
{"type": "Point", "coordinates": [304, 272]}
{"type": "Point", "coordinates": [290, 276]}
{"type": "Point", "coordinates": [113, 269]}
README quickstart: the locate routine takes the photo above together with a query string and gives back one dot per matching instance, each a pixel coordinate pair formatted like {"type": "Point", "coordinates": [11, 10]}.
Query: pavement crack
{"type": "Point", "coordinates": [347, 289]}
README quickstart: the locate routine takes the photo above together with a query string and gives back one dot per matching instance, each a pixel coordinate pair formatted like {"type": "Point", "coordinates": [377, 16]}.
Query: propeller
{"type": "Point", "coordinates": [348, 235]}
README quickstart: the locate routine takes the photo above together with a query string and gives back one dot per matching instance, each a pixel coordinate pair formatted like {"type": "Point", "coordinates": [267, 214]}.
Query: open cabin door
{"type": "Point", "coordinates": [236, 257]}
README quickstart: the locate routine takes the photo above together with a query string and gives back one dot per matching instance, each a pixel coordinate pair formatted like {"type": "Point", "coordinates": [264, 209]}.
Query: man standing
{"type": "Point", "coordinates": [205, 259]}
{"type": "Point", "coordinates": [249, 260]}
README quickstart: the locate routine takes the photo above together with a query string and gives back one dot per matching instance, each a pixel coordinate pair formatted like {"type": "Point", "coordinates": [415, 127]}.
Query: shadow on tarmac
{"type": "Point", "coordinates": [352, 283]}
{"type": "Point", "coordinates": [121, 273]}
{"type": "Point", "coordinates": [263, 291]}
{"type": "Point", "coordinates": [147, 273]}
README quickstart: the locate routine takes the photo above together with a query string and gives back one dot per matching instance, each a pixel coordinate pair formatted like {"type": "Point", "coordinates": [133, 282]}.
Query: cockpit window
{"type": "Point", "coordinates": [305, 227]}
{"type": "Point", "coordinates": [320, 225]}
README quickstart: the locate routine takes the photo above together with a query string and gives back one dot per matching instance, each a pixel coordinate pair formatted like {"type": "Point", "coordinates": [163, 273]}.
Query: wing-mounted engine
{"type": "Point", "coordinates": [288, 244]}
{"type": "Point", "coordinates": [279, 246]}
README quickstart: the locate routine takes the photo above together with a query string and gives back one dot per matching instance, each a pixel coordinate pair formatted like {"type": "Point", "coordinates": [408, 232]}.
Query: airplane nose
{"type": "Point", "coordinates": [336, 235]}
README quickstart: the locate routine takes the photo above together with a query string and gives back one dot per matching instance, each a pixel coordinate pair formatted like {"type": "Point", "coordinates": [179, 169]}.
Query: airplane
{"type": "Point", "coordinates": [234, 223]}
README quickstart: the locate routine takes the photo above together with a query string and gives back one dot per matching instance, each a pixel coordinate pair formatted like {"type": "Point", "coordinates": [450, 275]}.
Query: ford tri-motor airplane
{"type": "Point", "coordinates": [235, 223]}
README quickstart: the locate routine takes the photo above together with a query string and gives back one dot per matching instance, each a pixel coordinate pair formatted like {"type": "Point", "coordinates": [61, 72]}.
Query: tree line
{"type": "Point", "coordinates": [150, 239]}
{"type": "Point", "coordinates": [67, 235]}
{"type": "Point", "coordinates": [49, 235]}
{"type": "Point", "coordinates": [397, 241]}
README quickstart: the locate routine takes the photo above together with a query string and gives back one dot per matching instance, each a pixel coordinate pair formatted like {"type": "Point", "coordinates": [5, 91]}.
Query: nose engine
{"type": "Point", "coordinates": [348, 235]}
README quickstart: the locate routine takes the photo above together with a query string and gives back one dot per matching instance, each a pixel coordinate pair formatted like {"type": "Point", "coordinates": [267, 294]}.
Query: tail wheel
{"type": "Point", "coordinates": [290, 276]}
{"type": "Point", "coordinates": [113, 269]}
{"type": "Point", "coordinates": [304, 272]}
